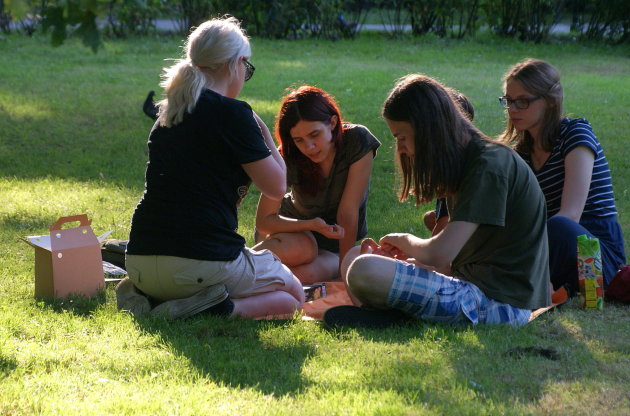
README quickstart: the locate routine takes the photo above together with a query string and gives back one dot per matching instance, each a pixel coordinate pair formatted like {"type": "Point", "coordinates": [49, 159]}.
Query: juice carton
{"type": "Point", "coordinates": [590, 279]}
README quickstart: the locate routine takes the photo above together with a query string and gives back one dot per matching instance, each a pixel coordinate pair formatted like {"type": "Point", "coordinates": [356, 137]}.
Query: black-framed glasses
{"type": "Point", "coordinates": [249, 69]}
{"type": "Point", "coordinates": [519, 103]}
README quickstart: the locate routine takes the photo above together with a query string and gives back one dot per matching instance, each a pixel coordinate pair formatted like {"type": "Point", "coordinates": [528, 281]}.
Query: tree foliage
{"type": "Point", "coordinates": [64, 17]}
{"type": "Point", "coordinates": [527, 20]}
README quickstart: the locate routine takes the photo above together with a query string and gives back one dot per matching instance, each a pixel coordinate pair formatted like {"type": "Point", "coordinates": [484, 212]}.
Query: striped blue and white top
{"type": "Point", "coordinates": [573, 133]}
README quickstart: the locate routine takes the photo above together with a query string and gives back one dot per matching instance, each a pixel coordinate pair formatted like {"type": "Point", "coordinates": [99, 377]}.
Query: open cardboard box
{"type": "Point", "coordinates": [68, 261]}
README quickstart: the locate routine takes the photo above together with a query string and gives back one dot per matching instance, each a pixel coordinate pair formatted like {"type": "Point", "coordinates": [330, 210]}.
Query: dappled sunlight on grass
{"type": "Point", "coordinates": [20, 108]}
{"type": "Point", "coordinates": [573, 329]}
{"type": "Point", "coordinates": [31, 205]}
{"type": "Point", "coordinates": [592, 397]}
{"type": "Point", "coordinates": [290, 64]}
{"type": "Point", "coordinates": [73, 139]}
{"type": "Point", "coordinates": [380, 362]}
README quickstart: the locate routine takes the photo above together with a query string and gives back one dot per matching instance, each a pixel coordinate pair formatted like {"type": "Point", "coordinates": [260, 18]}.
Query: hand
{"type": "Point", "coordinates": [392, 245]}
{"type": "Point", "coordinates": [334, 231]}
{"type": "Point", "coordinates": [369, 246]}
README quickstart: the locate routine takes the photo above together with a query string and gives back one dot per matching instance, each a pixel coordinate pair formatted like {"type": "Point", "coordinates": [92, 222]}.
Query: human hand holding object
{"type": "Point", "coordinates": [392, 245]}
{"type": "Point", "coordinates": [333, 231]}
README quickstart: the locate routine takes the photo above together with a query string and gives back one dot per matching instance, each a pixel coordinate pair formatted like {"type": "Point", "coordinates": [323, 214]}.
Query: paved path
{"type": "Point", "coordinates": [173, 25]}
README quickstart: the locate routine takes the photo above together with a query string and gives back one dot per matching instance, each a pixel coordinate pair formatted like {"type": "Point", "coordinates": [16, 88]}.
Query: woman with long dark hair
{"type": "Point", "coordinates": [492, 253]}
{"type": "Point", "coordinates": [329, 163]}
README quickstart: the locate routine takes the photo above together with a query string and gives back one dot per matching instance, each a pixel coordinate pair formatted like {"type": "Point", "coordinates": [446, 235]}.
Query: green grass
{"type": "Point", "coordinates": [72, 140]}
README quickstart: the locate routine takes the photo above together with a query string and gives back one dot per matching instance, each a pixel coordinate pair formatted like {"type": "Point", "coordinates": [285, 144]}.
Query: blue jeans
{"type": "Point", "coordinates": [562, 234]}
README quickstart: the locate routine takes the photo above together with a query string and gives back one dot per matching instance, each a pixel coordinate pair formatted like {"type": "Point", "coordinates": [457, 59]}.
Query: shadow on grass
{"type": "Point", "coordinates": [56, 151]}
{"type": "Point", "coordinates": [239, 353]}
{"type": "Point", "coordinates": [77, 305]}
{"type": "Point", "coordinates": [536, 364]}
{"type": "Point", "coordinates": [7, 364]}
{"type": "Point", "coordinates": [464, 369]}
{"type": "Point", "coordinates": [23, 224]}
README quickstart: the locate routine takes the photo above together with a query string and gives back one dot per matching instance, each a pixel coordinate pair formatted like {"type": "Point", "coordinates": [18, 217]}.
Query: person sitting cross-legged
{"type": "Point", "coordinates": [489, 265]}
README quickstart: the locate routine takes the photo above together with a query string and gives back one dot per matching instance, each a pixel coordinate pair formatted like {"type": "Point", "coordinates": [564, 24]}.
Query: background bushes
{"type": "Point", "coordinates": [526, 20]}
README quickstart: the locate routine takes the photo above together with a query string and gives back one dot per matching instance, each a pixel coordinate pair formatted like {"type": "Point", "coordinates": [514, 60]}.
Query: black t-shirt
{"type": "Point", "coordinates": [195, 182]}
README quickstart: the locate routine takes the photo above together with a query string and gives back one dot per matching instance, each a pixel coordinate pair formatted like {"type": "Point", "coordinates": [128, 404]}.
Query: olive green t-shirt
{"type": "Point", "coordinates": [507, 257]}
{"type": "Point", "coordinates": [357, 142]}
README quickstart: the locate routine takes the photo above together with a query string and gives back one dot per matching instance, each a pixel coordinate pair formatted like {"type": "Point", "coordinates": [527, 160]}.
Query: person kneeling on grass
{"type": "Point", "coordinates": [495, 245]}
{"type": "Point", "coordinates": [204, 151]}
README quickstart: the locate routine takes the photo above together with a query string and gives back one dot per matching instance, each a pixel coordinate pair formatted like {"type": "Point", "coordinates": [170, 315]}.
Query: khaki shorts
{"type": "Point", "coordinates": [169, 277]}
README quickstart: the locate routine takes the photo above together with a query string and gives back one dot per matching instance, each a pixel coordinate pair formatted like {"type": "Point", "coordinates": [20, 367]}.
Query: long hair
{"type": "Point", "coordinates": [214, 43]}
{"type": "Point", "coordinates": [541, 79]}
{"type": "Point", "coordinates": [439, 124]}
{"type": "Point", "coordinates": [306, 103]}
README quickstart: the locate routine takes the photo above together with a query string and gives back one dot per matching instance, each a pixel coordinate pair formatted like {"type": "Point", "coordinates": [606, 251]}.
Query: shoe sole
{"type": "Point", "coordinates": [128, 298]}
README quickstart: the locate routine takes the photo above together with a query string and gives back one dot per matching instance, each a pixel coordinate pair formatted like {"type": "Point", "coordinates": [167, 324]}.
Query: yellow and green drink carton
{"type": "Point", "coordinates": [590, 278]}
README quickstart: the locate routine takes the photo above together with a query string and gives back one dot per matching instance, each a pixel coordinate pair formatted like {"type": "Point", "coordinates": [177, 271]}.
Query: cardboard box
{"type": "Point", "coordinates": [68, 261]}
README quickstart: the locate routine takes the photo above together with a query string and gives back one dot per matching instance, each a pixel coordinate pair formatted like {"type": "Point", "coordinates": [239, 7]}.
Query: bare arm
{"type": "Point", "coordinates": [270, 142]}
{"type": "Point", "coordinates": [351, 199]}
{"type": "Point", "coordinates": [269, 221]}
{"type": "Point", "coordinates": [578, 171]}
{"type": "Point", "coordinates": [268, 174]}
{"type": "Point", "coordinates": [437, 252]}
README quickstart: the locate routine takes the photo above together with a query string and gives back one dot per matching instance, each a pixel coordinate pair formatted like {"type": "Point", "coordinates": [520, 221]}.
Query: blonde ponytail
{"type": "Point", "coordinates": [183, 84]}
{"type": "Point", "coordinates": [213, 44]}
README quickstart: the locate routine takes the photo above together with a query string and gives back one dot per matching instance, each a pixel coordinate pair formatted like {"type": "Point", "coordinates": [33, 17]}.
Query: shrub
{"type": "Point", "coordinates": [295, 18]}
{"type": "Point", "coordinates": [354, 15]}
{"type": "Point", "coordinates": [125, 17]}
{"type": "Point", "coordinates": [601, 19]}
{"type": "Point", "coordinates": [394, 16]}
{"type": "Point", "coordinates": [528, 20]}
{"type": "Point", "coordinates": [455, 18]}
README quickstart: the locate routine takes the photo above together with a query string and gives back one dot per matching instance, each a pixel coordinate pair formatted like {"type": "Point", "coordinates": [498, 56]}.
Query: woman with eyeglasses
{"type": "Point", "coordinates": [570, 166]}
{"type": "Point", "coordinates": [184, 254]}
{"type": "Point", "coordinates": [329, 163]}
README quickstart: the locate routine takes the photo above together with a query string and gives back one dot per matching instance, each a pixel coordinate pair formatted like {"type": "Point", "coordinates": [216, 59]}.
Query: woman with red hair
{"type": "Point", "coordinates": [329, 164]}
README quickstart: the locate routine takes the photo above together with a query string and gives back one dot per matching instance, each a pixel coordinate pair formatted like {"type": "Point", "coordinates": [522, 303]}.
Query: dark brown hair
{"type": "Point", "coordinates": [464, 103]}
{"type": "Point", "coordinates": [306, 103]}
{"type": "Point", "coordinates": [439, 124]}
{"type": "Point", "coordinates": [541, 79]}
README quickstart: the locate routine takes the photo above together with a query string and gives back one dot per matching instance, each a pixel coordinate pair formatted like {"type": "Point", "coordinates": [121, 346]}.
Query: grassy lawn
{"type": "Point", "coordinates": [72, 140]}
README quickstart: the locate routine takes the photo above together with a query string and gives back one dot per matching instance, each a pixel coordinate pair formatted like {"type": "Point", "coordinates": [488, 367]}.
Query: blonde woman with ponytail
{"type": "Point", "coordinates": [184, 254]}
